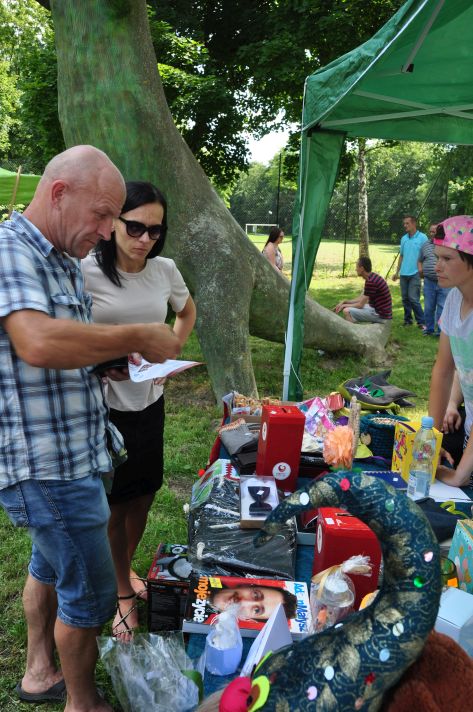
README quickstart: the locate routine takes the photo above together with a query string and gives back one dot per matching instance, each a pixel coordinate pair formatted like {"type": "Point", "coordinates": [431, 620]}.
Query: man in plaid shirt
{"type": "Point", "coordinates": [54, 432]}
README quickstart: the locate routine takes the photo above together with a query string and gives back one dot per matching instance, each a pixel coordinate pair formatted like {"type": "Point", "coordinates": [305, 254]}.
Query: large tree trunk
{"type": "Point", "coordinates": [110, 95]}
{"type": "Point", "coordinates": [363, 199]}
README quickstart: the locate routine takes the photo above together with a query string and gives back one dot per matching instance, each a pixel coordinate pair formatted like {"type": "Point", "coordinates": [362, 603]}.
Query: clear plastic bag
{"type": "Point", "coordinates": [153, 672]}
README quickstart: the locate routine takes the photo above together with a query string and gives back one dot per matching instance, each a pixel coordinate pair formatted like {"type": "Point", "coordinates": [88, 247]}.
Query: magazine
{"type": "Point", "coordinates": [209, 595]}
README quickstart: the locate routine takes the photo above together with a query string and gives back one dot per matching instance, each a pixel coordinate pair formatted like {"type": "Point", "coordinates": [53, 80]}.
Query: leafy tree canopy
{"type": "Point", "coordinates": [230, 68]}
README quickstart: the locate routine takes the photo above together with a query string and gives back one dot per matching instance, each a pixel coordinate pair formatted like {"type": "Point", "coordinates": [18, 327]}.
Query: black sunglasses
{"type": "Point", "coordinates": [137, 229]}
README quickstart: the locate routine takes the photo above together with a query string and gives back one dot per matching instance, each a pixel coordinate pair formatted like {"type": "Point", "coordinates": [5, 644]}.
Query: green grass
{"type": "Point", "coordinates": [191, 414]}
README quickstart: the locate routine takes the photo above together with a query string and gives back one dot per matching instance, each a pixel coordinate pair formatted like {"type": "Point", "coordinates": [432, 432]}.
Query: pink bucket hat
{"type": "Point", "coordinates": [456, 232]}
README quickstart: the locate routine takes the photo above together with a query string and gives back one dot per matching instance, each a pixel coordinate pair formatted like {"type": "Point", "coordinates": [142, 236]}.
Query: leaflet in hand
{"type": "Point", "coordinates": [146, 370]}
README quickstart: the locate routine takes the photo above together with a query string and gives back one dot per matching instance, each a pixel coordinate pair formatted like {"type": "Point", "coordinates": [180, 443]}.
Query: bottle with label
{"type": "Point", "coordinates": [423, 451]}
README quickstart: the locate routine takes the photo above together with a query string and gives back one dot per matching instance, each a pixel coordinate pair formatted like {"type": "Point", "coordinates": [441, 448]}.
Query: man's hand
{"type": "Point", "coordinates": [395, 277]}
{"type": "Point", "coordinates": [161, 343]}
{"type": "Point", "coordinates": [452, 419]}
{"type": "Point", "coordinates": [338, 307]}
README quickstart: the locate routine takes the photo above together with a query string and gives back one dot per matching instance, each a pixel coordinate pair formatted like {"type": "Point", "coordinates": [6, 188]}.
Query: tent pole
{"type": "Point", "coordinates": [346, 224]}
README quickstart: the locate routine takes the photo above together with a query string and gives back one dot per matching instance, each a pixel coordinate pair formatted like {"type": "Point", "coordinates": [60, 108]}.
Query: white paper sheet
{"type": "Point", "coordinates": [146, 370]}
{"type": "Point", "coordinates": [442, 493]}
{"type": "Point", "coordinates": [274, 636]}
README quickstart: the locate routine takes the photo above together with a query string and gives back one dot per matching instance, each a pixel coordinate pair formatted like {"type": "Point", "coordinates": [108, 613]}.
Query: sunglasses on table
{"type": "Point", "coordinates": [137, 229]}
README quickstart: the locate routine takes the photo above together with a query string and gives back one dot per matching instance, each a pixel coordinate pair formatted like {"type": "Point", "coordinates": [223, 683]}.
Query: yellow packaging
{"type": "Point", "coordinates": [404, 435]}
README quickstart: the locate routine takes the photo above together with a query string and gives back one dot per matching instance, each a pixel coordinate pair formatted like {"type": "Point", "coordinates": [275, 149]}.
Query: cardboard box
{"type": "Point", "coordinates": [279, 444]}
{"type": "Point", "coordinates": [461, 553]}
{"type": "Point", "coordinates": [168, 587]}
{"type": "Point", "coordinates": [250, 487]}
{"type": "Point", "coordinates": [341, 535]}
{"type": "Point", "coordinates": [404, 435]}
{"type": "Point", "coordinates": [455, 617]}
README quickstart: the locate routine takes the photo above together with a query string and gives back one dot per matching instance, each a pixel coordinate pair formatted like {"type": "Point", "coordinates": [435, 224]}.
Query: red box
{"type": "Point", "coordinates": [279, 444]}
{"type": "Point", "coordinates": [340, 536]}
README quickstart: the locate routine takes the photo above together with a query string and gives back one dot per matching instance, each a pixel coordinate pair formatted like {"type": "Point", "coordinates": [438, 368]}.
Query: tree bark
{"type": "Point", "coordinates": [110, 95]}
{"type": "Point", "coordinates": [363, 199]}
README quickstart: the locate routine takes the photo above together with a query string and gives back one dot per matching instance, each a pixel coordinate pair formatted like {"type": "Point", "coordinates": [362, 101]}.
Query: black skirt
{"type": "Point", "coordinates": [143, 433]}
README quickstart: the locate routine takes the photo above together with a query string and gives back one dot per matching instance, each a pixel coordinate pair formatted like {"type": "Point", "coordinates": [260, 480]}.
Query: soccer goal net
{"type": "Point", "coordinates": [258, 228]}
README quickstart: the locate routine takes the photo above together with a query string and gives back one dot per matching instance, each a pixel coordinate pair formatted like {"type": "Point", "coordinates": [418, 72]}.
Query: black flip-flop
{"type": "Point", "coordinates": [56, 693]}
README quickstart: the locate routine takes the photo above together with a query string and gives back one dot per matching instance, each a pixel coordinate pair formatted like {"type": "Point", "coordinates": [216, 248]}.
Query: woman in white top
{"type": "Point", "coordinates": [129, 283]}
{"type": "Point", "coordinates": [271, 250]}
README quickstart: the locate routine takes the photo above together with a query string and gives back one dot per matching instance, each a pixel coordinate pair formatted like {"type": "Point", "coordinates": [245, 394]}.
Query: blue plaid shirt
{"type": "Point", "coordinates": [53, 422]}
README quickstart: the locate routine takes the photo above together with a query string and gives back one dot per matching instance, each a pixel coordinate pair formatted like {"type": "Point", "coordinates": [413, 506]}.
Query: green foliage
{"type": "Point", "coordinates": [27, 44]}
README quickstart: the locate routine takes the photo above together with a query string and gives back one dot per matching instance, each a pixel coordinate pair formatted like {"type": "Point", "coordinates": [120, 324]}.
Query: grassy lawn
{"type": "Point", "coordinates": [191, 414]}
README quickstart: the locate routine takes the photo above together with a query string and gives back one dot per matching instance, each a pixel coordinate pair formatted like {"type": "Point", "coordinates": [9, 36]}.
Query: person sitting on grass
{"type": "Point", "coordinates": [374, 305]}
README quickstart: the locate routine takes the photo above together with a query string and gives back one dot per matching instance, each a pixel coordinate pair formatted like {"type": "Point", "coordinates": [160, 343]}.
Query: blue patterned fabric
{"type": "Point", "coordinates": [350, 666]}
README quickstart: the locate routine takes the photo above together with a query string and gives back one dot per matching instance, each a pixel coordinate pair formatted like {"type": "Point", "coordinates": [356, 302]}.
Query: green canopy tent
{"type": "Point", "coordinates": [411, 81]}
{"type": "Point", "coordinates": [25, 190]}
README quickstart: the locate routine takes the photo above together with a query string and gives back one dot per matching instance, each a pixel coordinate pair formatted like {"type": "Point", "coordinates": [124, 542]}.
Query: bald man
{"type": "Point", "coordinates": [54, 432]}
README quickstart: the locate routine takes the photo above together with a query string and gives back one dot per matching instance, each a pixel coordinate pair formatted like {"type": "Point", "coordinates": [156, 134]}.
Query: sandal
{"type": "Point", "coordinates": [142, 593]}
{"type": "Point", "coordinates": [128, 630]}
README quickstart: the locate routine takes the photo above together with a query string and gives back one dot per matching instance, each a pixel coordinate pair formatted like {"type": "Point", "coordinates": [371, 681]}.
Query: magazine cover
{"type": "Point", "coordinates": [209, 595]}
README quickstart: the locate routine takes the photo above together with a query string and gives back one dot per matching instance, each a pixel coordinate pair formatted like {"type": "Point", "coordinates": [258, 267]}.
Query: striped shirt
{"type": "Point", "coordinates": [377, 291]}
{"type": "Point", "coordinates": [429, 260]}
{"type": "Point", "coordinates": [53, 422]}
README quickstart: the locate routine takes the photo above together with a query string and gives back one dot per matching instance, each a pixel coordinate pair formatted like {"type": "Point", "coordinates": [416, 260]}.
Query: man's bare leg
{"type": "Point", "coordinates": [78, 653]}
{"type": "Point", "coordinates": [40, 605]}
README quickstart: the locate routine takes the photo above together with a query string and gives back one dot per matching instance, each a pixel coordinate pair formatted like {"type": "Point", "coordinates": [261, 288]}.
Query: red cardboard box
{"type": "Point", "coordinates": [279, 445]}
{"type": "Point", "coordinates": [340, 536]}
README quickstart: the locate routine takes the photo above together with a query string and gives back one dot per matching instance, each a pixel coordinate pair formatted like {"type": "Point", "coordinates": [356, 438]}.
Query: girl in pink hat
{"type": "Point", "coordinates": [454, 250]}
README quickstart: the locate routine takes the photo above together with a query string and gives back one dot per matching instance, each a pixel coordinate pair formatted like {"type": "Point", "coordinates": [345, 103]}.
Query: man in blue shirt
{"type": "Point", "coordinates": [407, 269]}
{"type": "Point", "coordinates": [54, 432]}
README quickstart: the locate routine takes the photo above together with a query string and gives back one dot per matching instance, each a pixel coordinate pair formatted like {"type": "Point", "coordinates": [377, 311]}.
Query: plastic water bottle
{"type": "Point", "coordinates": [423, 451]}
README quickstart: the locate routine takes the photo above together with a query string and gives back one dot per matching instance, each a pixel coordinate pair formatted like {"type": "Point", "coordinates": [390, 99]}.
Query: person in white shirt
{"type": "Point", "coordinates": [130, 283]}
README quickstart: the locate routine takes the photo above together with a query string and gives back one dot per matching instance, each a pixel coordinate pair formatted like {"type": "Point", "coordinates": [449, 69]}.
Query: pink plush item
{"type": "Point", "coordinates": [458, 233]}
{"type": "Point", "coordinates": [235, 696]}
{"type": "Point", "coordinates": [338, 447]}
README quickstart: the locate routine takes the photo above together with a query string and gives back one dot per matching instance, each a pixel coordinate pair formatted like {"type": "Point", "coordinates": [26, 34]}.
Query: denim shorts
{"type": "Point", "coordinates": [67, 522]}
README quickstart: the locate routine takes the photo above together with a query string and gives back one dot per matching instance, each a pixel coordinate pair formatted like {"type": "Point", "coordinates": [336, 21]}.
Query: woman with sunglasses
{"type": "Point", "coordinates": [130, 283]}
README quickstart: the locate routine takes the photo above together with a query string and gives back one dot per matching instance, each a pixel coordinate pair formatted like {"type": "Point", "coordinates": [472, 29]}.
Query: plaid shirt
{"type": "Point", "coordinates": [53, 422]}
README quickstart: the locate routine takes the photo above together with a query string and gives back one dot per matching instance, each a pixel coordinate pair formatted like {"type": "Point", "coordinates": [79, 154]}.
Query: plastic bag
{"type": "Point", "coordinates": [223, 645]}
{"type": "Point", "coordinates": [332, 593]}
{"type": "Point", "coordinates": [217, 543]}
{"type": "Point", "coordinates": [153, 672]}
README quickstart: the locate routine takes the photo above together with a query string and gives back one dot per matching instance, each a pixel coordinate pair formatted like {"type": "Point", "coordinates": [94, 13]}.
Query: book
{"type": "Point", "coordinates": [209, 595]}
{"type": "Point", "coordinates": [146, 370]}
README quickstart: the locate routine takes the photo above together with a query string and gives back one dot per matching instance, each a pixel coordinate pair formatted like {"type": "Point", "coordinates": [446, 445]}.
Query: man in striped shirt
{"type": "Point", "coordinates": [374, 305]}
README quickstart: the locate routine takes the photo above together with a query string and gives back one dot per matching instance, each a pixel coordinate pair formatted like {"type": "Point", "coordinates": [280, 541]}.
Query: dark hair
{"type": "Point", "coordinates": [138, 193]}
{"type": "Point", "coordinates": [410, 217]}
{"type": "Point", "coordinates": [365, 262]}
{"type": "Point", "coordinates": [464, 256]}
{"type": "Point", "coordinates": [273, 234]}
